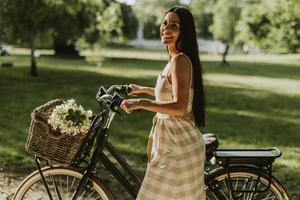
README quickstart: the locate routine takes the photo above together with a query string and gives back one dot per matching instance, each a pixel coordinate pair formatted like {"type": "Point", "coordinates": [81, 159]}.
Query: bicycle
{"type": "Point", "coordinates": [238, 173]}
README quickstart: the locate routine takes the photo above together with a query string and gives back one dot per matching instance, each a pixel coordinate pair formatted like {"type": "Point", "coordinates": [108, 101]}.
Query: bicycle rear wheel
{"type": "Point", "coordinates": [245, 179]}
{"type": "Point", "coordinates": [66, 181]}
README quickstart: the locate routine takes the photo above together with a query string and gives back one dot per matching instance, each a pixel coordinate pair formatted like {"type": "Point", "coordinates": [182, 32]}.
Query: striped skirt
{"type": "Point", "coordinates": [176, 154]}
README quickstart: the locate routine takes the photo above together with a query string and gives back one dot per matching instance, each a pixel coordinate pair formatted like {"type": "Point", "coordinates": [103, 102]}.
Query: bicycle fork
{"type": "Point", "coordinates": [101, 140]}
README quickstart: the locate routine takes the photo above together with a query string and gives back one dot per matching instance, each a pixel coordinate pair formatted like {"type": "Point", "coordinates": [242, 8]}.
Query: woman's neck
{"type": "Point", "coordinates": [172, 51]}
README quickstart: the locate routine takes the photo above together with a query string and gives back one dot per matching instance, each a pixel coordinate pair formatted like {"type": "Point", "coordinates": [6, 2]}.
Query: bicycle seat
{"type": "Point", "coordinates": [211, 144]}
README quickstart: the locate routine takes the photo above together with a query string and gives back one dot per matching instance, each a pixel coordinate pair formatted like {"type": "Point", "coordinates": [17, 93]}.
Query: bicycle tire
{"type": "Point", "coordinates": [243, 179]}
{"type": "Point", "coordinates": [67, 179]}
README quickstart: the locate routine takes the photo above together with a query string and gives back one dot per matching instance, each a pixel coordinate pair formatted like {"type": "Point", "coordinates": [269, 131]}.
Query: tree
{"type": "Point", "coordinates": [71, 20]}
{"type": "Point", "coordinates": [203, 16]}
{"type": "Point", "coordinates": [62, 21]}
{"type": "Point", "coordinates": [146, 10]}
{"type": "Point", "coordinates": [272, 24]}
{"type": "Point", "coordinates": [26, 20]}
{"type": "Point", "coordinates": [130, 21]}
{"type": "Point", "coordinates": [226, 14]}
{"type": "Point", "coordinates": [2, 14]}
{"type": "Point", "coordinates": [106, 26]}
{"type": "Point", "coordinates": [85, 22]}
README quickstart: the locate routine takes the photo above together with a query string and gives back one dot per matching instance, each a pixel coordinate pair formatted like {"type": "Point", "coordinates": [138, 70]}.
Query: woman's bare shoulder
{"type": "Point", "coordinates": [181, 61]}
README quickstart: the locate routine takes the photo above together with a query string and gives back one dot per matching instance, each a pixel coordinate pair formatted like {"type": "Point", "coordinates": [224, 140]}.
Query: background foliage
{"type": "Point", "coordinates": [273, 25]}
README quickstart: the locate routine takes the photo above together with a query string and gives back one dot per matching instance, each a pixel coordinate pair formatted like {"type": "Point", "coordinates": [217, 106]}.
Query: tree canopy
{"type": "Point", "coordinates": [203, 16]}
{"type": "Point", "coordinates": [271, 24]}
{"type": "Point", "coordinates": [150, 13]}
{"type": "Point", "coordinates": [62, 23]}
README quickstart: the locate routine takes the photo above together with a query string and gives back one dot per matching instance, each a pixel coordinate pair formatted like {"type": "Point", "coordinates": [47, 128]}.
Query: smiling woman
{"type": "Point", "coordinates": [175, 147]}
{"type": "Point", "coordinates": [170, 29]}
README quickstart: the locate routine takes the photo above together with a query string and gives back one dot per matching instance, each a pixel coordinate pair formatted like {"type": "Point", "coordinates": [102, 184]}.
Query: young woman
{"type": "Point", "coordinates": [176, 150]}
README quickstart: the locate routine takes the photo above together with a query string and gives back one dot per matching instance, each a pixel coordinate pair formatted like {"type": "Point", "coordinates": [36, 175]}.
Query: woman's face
{"type": "Point", "coordinates": [170, 29]}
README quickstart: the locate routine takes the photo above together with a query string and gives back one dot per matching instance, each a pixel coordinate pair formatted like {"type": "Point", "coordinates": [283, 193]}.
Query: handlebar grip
{"type": "Point", "coordinates": [125, 89]}
{"type": "Point", "coordinates": [116, 101]}
{"type": "Point", "coordinates": [129, 89]}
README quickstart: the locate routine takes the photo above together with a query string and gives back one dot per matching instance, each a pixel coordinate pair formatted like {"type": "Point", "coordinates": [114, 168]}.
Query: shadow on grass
{"type": "Point", "coordinates": [232, 112]}
{"type": "Point", "coordinates": [270, 70]}
{"type": "Point", "coordinates": [137, 64]}
{"type": "Point", "coordinates": [262, 119]}
{"type": "Point", "coordinates": [289, 177]}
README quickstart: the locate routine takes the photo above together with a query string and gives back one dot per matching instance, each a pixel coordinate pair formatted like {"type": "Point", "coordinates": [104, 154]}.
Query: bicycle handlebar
{"type": "Point", "coordinates": [123, 89]}
{"type": "Point", "coordinates": [105, 97]}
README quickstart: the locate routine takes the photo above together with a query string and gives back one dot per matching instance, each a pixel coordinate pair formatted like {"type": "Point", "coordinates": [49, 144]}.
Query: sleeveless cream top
{"type": "Point", "coordinates": [163, 88]}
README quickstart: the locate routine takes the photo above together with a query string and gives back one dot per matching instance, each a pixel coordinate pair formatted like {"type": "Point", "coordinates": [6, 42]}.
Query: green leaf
{"type": "Point", "coordinates": [77, 113]}
{"type": "Point", "coordinates": [82, 117]}
{"type": "Point", "coordinates": [68, 117]}
{"type": "Point", "coordinates": [70, 111]}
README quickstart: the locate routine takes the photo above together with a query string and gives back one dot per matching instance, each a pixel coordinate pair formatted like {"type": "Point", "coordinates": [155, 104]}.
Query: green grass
{"type": "Point", "coordinates": [249, 104]}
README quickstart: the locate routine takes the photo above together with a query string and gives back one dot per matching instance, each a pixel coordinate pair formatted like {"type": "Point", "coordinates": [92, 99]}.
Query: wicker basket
{"type": "Point", "coordinates": [49, 144]}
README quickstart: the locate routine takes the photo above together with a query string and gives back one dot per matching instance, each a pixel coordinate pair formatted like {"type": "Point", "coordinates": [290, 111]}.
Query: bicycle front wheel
{"type": "Point", "coordinates": [246, 179]}
{"type": "Point", "coordinates": [62, 183]}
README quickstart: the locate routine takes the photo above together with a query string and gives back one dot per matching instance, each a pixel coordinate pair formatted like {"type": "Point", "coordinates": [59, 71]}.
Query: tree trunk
{"type": "Point", "coordinates": [140, 30]}
{"type": "Point", "coordinates": [33, 67]}
{"type": "Point", "coordinates": [61, 48]}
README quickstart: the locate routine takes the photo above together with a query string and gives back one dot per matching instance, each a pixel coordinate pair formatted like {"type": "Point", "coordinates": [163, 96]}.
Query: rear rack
{"type": "Point", "coordinates": [261, 157]}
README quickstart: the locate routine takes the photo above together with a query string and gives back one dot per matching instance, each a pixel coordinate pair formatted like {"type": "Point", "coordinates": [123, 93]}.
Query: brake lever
{"type": "Point", "coordinates": [116, 101]}
{"type": "Point", "coordinates": [101, 92]}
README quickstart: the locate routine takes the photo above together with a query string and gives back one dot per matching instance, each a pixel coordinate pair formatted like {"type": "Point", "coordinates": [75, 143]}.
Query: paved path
{"type": "Point", "coordinates": [9, 183]}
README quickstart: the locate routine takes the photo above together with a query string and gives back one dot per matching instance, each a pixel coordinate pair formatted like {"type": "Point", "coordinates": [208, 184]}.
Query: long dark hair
{"type": "Point", "coordinates": [187, 44]}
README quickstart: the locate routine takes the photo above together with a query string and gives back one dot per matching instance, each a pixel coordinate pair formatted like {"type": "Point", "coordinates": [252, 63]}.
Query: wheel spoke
{"type": "Point", "coordinates": [236, 184]}
{"type": "Point", "coordinates": [81, 197]}
{"type": "Point", "coordinates": [98, 198]}
{"type": "Point", "coordinates": [67, 189]}
{"type": "Point", "coordinates": [268, 197]}
{"type": "Point", "coordinates": [62, 183]}
{"type": "Point", "coordinates": [91, 194]}
{"type": "Point", "coordinates": [71, 186]}
{"type": "Point", "coordinates": [244, 180]}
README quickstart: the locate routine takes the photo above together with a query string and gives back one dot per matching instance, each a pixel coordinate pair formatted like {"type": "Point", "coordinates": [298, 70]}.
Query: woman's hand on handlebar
{"type": "Point", "coordinates": [135, 90]}
{"type": "Point", "coordinates": [130, 105]}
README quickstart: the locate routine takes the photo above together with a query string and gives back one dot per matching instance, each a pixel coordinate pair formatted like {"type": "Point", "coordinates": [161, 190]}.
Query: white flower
{"type": "Point", "coordinates": [69, 118]}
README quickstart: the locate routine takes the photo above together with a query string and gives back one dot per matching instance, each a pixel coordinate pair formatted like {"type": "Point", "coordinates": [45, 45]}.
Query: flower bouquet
{"type": "Point", "coordinates": [70, 118]}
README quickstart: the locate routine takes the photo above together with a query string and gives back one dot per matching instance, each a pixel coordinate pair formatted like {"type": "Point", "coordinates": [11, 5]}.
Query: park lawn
{"type": "Point", "coordinates": [249, 105]}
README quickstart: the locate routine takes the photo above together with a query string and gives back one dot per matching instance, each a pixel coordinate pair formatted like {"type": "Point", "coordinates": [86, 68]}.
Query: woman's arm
{"type": "Point", "coordinates": [137, 89]}
{"type": "Point", "coordinates": [181, 76]}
